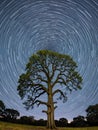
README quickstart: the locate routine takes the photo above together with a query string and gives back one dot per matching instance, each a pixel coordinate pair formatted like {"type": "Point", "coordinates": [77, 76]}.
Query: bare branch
{"type": "Point", "coordinates": [39, 102]}
{"type": "Point", "coordinates": [56, 80]}
{"type": "Point", "coordinates": [45, 112]}
{"type": "Point", "coordinates": [42, 87]}
{"type": "Point", "coordinates": [62, 94]}
{"type": "Point", "coordinates": [41, 79]}
{"type": "Point", "coordinates": [54, 67]}
{"type": "Point", "coordinates": [55, 102]}
{"type": "Point", "coordinates": [41, 93]}
{"type": "Point", "coordinates": [58, 91]}
{"type": "Point", "coordinates": [43, 69]}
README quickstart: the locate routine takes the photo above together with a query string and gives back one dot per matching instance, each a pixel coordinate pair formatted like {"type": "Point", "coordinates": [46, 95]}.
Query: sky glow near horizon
{"type": "Point", "coordinates": [66, 26]}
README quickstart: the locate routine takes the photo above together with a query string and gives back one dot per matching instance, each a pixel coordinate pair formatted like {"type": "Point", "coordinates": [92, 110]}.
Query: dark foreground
{"type": "Point", "coordinates": [10, 126]}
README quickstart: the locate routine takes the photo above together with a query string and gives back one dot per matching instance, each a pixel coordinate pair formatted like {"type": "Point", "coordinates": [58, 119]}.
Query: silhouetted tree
{"type": "Point", "coordinates": [92, 114]}
{"type": "Point", "coordinates": [26, 120]}
{"type": "Point", "coordinates": [48, 73]}
{"type": "Point", "coordinates": [40, 122]}
{"type": "Point", "coordinates": [10, 114]}
{"type": "Point", "coordinates": [78, 121]}
{"type": "Point", "coordinates": [32, 118]}
{"type": "Point", "coordinates": [2, 108]}
{"type": "Point", "coordinates": [63, 122]}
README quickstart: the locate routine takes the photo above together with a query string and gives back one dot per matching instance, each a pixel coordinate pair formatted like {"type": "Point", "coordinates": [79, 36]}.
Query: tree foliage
{"type": "Point", "coordinates": [92, 114]}
{"type": "Point", "coordinates": [63, 121]}
{"type": "Point", "coordinates": [7, 114]}
{"type": "Point", "coordinates": [11, 113]}
{"type": "Point", "coordinates": [2, 108]}
{"type": "Point", "coordinates": [78, 121]}
{"type": "Point", "coordinates": [49, 73]}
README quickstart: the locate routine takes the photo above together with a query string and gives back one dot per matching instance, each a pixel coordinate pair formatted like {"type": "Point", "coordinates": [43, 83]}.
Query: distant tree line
{"type": "Point", "coordinates": [11, 115]}
{"type": "Point", "coordinates": [7, 114]}
{"type": "Point", "coordinates": [91, 118]}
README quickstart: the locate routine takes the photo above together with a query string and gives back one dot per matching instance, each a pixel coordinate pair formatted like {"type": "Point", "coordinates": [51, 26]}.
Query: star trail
{"type": "Point", "coordinates": [66, 26]}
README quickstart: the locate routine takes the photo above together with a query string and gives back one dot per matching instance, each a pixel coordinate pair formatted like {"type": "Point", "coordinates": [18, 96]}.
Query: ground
{"type": "Point", "coordinates": [10, 126]}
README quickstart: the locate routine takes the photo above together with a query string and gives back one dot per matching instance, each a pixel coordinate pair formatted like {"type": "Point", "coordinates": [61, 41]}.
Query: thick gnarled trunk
{"type": "Point", "coordinates": [50, 120]}
{"type": "Point", "coordinates": [50, 114]}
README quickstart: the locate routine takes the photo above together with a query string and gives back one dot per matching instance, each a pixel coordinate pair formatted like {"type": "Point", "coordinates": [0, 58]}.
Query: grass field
{"type": "Point", "coordinates": [10, 126]}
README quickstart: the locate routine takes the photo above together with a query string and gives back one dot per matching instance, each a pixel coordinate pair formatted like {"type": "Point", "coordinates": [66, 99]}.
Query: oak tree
{"type": "Point", "coordinates": [49, 73]}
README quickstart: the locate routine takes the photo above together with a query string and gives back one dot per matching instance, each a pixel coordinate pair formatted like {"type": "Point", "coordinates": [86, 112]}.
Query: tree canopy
{"type": "Point", "coordinates": [49, 73]}
{"type": "Point", "coordinates": [92, 114]}
{"type": "Point", "coordinates": [2, 107]}
{"type": "Point", "coordinates": [11, 113]}
{"type": "Point", "coordinates": [7, 113]}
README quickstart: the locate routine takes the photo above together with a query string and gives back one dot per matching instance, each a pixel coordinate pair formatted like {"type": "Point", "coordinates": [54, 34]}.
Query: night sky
{"type": "Point", "coordinates": [66, 26]}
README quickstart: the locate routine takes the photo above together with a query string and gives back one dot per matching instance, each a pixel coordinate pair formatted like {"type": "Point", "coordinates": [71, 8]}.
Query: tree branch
{"type": "Point", "coordinates": [56, 80]}
{"type": "Point", "coordinates": [42, 87]}
{"type": "Point", "coordinates": [41, 79]}
{"type": "Point", "coordinates": [45, 112]}
{"type": "Point", "coordinates": [55, 107]}
{"type": "Point", "coordinates": [39, 102]}
{"type": "Point", "coordinates": [53, 71]}
{"type": "Point", "coordinates": [57, 91]}
{"type": "Point", "coordinates": [41, 93]}
{"type": "Point", "coordinates": [43, 69]}
{"type": "Point", "coordinates": [61, 94]}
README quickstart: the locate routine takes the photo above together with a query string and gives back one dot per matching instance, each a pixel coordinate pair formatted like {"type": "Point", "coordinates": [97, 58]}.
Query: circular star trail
{"type": "Point", "coordinates": [66, 26]}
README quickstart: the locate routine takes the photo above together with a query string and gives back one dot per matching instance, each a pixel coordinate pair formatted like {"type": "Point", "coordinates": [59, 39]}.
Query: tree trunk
{"type": "Point", "coordinates": [50, 115]}
{"type": "Point", "coordinates": [49, 118]}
